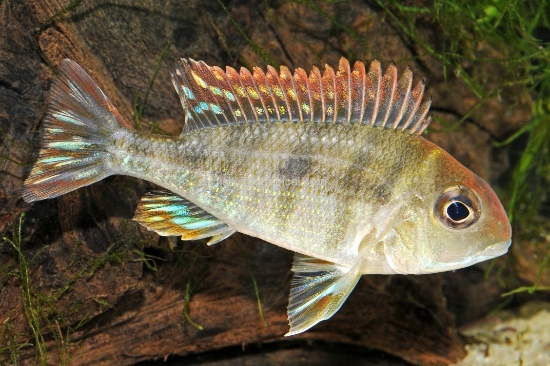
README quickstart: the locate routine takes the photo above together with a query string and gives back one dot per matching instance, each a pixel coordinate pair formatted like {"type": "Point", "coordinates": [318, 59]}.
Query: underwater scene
{"type": "Point", "coordinates": [276, 182]}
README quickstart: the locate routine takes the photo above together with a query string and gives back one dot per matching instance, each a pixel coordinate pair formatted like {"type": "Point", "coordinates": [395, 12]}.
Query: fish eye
{"type": "Point", "coordinates": [457, 211]}
{"type": "Point", "coordinates": [457, 207]}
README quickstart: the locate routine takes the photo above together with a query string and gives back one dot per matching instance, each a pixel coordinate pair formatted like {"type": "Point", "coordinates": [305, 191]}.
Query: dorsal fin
{"type": "Point", "coordinates": [212, 97]}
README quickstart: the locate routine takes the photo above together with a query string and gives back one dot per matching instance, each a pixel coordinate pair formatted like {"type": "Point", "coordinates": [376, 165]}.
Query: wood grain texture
{"type": "Point", "coordinates": [99, 303]}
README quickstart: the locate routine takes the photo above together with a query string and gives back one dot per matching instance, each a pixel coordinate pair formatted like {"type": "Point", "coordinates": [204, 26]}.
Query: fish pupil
{"type": "Point", "coordinates": [457, 211]}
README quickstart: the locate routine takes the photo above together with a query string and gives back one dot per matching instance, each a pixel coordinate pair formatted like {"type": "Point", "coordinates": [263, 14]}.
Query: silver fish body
{"type": "Point", "coordinates": [309, 188]}
{"type": "Point", "coordinates": [330, 166]}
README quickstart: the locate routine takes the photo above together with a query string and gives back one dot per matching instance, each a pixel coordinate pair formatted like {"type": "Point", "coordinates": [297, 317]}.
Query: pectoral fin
{"type": "Point", "coordinates": [168, 214]}
{"type": "Point", "coordinates": [318, 290]}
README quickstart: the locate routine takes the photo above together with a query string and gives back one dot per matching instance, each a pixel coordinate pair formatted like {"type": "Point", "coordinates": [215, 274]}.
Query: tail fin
{"type": "Point", "coordinates": [77, 131]}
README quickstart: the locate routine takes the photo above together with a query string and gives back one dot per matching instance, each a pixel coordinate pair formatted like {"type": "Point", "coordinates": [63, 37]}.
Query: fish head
{"type": "Point", "coordinates": [455, 223]}
{"type": "Point", "coordinates": [467, 225]}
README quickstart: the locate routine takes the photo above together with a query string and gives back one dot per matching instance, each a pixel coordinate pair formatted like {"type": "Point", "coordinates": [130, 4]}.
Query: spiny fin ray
{"type": "Point", "coordinates": [212, 97]}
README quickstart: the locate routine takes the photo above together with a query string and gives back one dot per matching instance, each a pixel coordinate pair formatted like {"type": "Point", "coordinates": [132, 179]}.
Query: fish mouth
{"type": "Point", "coordinates": [495, 250]}
{"type": "Point", "coordinates": [490, 252]}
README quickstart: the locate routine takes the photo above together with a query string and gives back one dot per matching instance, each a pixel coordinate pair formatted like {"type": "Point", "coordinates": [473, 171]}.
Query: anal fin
{"type": "Point", "coordinates": [221, 236]}
{"type": "Point", "coordinates": [318, 290]}
{"type": "Point", "coordinates": [169, 214]}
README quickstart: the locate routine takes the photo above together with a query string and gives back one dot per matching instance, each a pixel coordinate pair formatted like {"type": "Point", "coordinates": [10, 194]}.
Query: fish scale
{"type": "Point", "coordinates": [247, 187]}
{"type": "Point", "coordinates": [329, 165]}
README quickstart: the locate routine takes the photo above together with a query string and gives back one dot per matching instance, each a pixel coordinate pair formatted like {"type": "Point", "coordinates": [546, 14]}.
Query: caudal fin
{"type": "Point", "coordinates": [78, 127]}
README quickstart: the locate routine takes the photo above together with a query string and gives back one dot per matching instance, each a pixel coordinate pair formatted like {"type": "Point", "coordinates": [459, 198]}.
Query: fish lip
{"type": "Point", "coordinates": [495, 250]}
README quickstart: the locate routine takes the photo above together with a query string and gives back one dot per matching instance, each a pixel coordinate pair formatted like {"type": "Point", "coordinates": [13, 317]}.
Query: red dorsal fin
{"type": "Point", "coordinates": [212, 97]}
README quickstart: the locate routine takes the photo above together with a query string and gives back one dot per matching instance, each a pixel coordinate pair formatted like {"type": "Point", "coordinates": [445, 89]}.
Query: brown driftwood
{"type": "Point", "coordinates": [101, 301]}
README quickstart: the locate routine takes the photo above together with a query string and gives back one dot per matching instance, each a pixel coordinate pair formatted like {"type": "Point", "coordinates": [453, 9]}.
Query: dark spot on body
{"type": "Point", "coordinates": [295, 168]}
{"type": "Point", "coordinates": [382, 193]}
{"type": "Point", "coordinates": [353, 177]}
{"type": "Point", "coordinates": [361, 179]}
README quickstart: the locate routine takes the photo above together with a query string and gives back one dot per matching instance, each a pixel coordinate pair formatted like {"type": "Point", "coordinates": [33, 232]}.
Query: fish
{"type": "Point", "coordinates": [330, 165]}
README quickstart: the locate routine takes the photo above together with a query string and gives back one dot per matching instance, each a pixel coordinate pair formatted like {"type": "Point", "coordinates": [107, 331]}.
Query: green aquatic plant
{"type": "Point", "coordinates": [49, 324]}
{"type": "Point", "coordinates": [10, 344]}
{"type": "Point", "coordinates": [188, 258]}
{"type": "Point", "coordinates": [255, 284]}
{"type": "Point", "coordinates": [313, 6]}
{"type": "Point", "coordinates": [530, 177]}
{"type": "Point", "coordinates": [140, 102]}
{"type": "Point", "coordinates": [465, 26]}
{"type": "Point", "coordinates": [32, 306]}
{"type": "Point", "coordinates": [253, 45]}
{"type": "Point", "coordinates": [193, 265]}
